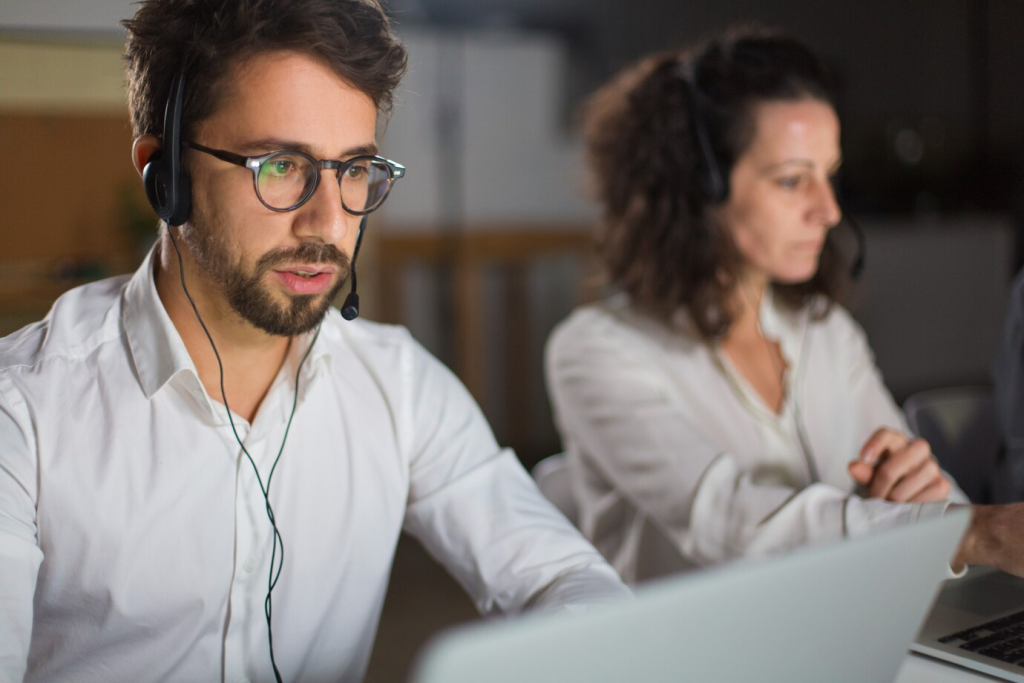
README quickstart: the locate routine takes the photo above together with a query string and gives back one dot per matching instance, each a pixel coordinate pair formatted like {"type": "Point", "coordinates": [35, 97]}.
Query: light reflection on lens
{"type": "Point", "coordinates": [284, 179]}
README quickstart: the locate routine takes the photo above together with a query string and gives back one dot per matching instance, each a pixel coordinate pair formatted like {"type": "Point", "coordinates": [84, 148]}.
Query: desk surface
{"type": "Point", "coordinates": [920, 669]}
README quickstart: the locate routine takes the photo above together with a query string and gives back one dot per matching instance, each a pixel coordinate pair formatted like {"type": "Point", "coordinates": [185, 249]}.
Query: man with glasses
{"type": "Point", "coordinates": [204, 470]}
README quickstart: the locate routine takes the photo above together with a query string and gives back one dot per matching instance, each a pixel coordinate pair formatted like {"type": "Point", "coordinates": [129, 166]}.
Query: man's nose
{"type": "Point", "coordinates": [324, 217]}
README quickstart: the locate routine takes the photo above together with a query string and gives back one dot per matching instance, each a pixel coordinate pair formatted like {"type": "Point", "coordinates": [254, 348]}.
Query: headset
{"type": "Point", "coordinates": [714, 183]}
{"type": "Point", "coordinates": [169, 191]}
{"type": "Point", "coordinates": [710, 178]}
{"type": "Point", "coordinates": [168, 188]}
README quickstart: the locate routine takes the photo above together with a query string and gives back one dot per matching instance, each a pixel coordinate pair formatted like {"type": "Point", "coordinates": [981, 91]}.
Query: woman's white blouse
{"type": "Point", "coordinates": [666, 441]}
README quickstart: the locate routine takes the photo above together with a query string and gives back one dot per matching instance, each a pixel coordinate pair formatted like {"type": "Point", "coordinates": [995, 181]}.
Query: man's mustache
{"type": "Point", "coordinates": [307, 252]}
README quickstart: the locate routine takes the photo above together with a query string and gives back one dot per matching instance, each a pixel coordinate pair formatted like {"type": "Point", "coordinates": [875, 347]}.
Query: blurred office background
{"type": "Point", "coordinates": [485, 245]}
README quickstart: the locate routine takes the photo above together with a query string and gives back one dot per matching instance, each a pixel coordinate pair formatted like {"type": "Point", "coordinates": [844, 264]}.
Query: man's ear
{"type": "Point", "coordinates": [143, 148]}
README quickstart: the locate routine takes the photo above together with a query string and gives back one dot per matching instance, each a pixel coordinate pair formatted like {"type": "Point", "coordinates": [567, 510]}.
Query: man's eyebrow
{"type": "Point", "coordinates": [277, 144]}
{"type": "Point", "coordinates": [360, 150]}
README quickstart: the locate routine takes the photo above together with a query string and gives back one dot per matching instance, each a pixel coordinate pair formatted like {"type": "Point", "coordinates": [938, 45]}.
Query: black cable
{"type": "Point", "coordinates": [277, 539]}
{"type": "Point", "coordinates": [793, 398]}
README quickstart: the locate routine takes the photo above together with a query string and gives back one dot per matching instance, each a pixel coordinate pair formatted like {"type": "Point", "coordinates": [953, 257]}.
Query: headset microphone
{"type": "Point", "coordinates": [350, 309]}
{"type": "Point", "coordinates": [862, 247]}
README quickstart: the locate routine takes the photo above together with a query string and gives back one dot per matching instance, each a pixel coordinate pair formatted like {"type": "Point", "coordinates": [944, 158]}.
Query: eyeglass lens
{"type": "Point", "coordinates": [285, 180]}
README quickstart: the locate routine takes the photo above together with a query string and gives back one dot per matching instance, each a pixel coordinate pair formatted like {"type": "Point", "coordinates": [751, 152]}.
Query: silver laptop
{"type": "Point", "coordinates": [978, 623]}
{"type": "Point", "coordinates": [841, 612]}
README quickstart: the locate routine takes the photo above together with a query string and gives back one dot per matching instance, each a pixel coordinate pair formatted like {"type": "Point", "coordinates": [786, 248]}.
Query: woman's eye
{"type": "Point", "coordinates": [789, 182]}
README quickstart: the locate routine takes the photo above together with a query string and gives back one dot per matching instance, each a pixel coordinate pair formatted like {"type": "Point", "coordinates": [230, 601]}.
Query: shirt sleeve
{"type": "Point", "coordinates": [20, 555]}
{"type": "Point", "coordinates": [478, 512]}
{"type": "Point", "coordinates": [874, 405]}
{"type": "Point", "coordinates": [619, 411]}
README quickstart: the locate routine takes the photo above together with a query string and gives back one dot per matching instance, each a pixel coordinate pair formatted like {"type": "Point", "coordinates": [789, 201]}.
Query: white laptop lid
{"type": "Point", "coordinates": [841, 612]}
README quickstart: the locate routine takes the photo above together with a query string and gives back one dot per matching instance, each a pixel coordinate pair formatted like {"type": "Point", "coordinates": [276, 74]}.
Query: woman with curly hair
{"type": "Point", "coordinates": [724, 404]}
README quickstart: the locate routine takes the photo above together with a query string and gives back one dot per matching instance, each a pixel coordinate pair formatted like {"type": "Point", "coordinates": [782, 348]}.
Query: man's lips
{"type": "Point", "coordinates": [305, 279]}
{"type": "Point", "coordinates": [306, 269]}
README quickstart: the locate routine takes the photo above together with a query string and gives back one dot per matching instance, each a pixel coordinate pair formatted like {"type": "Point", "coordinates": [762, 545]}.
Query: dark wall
{"type": "Point", "coordinates": [932, 91]}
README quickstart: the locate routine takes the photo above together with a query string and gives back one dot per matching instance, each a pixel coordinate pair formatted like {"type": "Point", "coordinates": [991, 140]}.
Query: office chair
{"type": "Point", "coordinates": [960, 424]}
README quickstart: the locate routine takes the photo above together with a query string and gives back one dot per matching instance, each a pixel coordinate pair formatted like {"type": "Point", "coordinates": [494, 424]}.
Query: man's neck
{"type": "Point", "coordinates": [250, 357]}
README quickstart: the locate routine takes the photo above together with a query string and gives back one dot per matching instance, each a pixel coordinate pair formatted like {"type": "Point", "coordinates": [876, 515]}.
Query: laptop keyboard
{"type": "Point", "coordinates": [1002, 639]}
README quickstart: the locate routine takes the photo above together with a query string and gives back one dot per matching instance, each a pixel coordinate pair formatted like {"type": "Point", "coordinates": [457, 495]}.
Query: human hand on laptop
{"type": "Point", "coordinates": [893, 467]}
{"type": "Point", "coordinates": [993, 538]}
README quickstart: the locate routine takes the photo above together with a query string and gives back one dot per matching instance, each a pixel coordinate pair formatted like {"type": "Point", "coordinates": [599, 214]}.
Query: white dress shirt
{"type": "Point", "coordinates": [666, 441]}
{"type": "Point", "coordinates": [134, 542]}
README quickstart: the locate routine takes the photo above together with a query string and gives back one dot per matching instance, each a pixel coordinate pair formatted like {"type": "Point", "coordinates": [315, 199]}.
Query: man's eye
{"type": "Point", "coordinates": [281, 166]}
{"type": "Point", "coordinates": [356, 172]}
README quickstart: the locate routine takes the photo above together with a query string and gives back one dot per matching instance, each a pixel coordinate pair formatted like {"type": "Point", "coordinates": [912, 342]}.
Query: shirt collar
{"type": "Point", "coordinates": [320, 354]}
{"type": "Point", "coordinates": [155, 344]}
{"type": "Point", "coordinates": [160, 354]}
{"type": "Point", "coordinates": [783, 324]}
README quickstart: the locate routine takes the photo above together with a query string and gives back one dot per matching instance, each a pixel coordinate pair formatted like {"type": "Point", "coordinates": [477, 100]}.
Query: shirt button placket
{"type": "Point", "coordinates": [242, 614]}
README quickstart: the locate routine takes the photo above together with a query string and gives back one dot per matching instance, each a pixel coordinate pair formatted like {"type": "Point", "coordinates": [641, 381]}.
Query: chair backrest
{"type": "Point", "coordinates": [552, 477]}
{"type": "Point", "coordinates": [960, 424]}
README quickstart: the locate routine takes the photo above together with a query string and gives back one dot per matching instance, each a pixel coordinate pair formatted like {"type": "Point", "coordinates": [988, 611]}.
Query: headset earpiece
{"type": "Point", "coordinates": [167, 185]}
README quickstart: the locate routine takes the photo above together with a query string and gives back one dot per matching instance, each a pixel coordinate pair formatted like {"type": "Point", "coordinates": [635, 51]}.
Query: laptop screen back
{"type": "Point", "coordinates": [843, 611]}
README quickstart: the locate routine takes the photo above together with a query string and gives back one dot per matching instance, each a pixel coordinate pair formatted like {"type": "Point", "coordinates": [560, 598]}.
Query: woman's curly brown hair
{"type": "Point", "coordinates": [657, 238]}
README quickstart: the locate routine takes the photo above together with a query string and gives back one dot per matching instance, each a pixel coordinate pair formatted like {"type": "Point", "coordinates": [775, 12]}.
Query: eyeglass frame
{"type": "Point", "coordinates": [395, 169]}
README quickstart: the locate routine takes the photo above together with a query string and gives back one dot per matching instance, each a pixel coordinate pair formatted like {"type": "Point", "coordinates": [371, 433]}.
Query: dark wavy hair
{"type": "Point", "coordinates": [352, 37]}
{"type": "Point", "coordinates": [657, 238]}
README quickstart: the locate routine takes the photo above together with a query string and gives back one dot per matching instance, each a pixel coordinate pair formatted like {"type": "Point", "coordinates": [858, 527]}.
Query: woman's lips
{"type": "Point", "coordinates": [809, 245]}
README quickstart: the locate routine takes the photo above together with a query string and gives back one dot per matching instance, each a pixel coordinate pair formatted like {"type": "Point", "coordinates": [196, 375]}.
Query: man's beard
{"type": "Point", "coordinates": [248, 294]}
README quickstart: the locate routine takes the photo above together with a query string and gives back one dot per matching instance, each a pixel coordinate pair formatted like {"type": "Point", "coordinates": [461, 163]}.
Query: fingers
{"type": "Point", "coordinates": [861, 472]}
{"type": "Point", "coordinates": [897, 465]}
{"type": "Point", "coordinates": [883, 440]}
{"type": "Point", "coordinates": [938, 490]}
{"type": "Point", "coordinates": [924, 484]}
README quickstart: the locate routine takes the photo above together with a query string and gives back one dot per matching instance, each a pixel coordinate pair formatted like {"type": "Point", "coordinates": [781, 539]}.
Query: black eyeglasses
{"type": "Point", "coordinates": [285, 180]}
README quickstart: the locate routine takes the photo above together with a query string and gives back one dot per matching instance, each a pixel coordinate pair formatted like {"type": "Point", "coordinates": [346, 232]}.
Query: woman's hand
{"type": "Point", "coordinates": [892, 467]}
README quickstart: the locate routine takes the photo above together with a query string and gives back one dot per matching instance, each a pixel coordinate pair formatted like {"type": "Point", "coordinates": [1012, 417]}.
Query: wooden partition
{"type": "Point", "coordinates": [73, 205]}
{"type": "Point", "coordinates": [509, 251]}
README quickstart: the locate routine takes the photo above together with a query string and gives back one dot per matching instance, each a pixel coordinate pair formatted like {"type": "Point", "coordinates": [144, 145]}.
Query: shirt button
{"type": "Point", "coordinates": [249, 566]}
